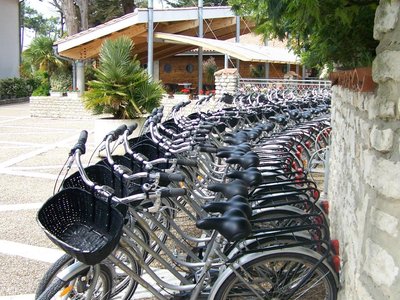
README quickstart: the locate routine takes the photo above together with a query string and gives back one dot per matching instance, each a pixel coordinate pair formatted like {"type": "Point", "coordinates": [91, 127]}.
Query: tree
{"type": "Point", "coordinates": [188, 3]}
{"type": "Point", "coordinates": [40, 55]}
{"type": "Point", "coordinates": [333, 32]}
{"type": "Point", "coordinates": [40, 25]}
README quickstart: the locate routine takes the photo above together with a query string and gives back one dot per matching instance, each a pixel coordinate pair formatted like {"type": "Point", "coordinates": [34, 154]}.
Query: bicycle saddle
{"type": "Point", "coordinates": [244, 146]}
{"type": "Point", "coordinates": [280, 119]}
{"type": "Point", "coordinates": [236, 202]}
{"type": "Point", "coordinates": [246, 161]}
{"type": "Point", "coordinates": [251, 176]}
{"type": "Point", "coordinates": [230, 189]}
{"type": "Point", "coordinates": [233, 225]}
{"type": "Point", "coordinates": [229, 153]}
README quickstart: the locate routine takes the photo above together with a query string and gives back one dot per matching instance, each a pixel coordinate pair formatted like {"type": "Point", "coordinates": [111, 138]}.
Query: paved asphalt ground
{"type": "Point", "coordinates": [32, 151]}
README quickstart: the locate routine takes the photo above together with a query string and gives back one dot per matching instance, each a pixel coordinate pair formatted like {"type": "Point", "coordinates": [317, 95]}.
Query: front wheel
{"type": "Point", "coordinates": [280, 276]}
{"type": "Point", "coordinates": [78, 285]}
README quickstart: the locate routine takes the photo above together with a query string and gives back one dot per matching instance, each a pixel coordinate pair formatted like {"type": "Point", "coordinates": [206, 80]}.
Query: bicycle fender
{"type": "Point", "coordinates": [72, 270]}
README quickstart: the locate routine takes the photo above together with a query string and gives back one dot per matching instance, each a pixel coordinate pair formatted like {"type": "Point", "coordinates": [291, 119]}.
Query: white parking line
{"type": "Point", "coordinates": [34, 153]}
{"type": "Point", "coordinates": [32, 252]}
{"type": "Point", "coordinates": [12, 118]}
{"type": "Point", "coordinates": [29, 174]}
{"type": "Point", "coordinates": [18, 297]}
{"type": "Point", "coordinates": [14, 207]}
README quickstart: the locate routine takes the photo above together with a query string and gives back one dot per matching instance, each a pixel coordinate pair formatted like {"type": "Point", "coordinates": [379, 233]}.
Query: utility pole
{"type": "Point", "coordinates": [150, 37]}
{"type": "Point", "coordinates": [200, 50]}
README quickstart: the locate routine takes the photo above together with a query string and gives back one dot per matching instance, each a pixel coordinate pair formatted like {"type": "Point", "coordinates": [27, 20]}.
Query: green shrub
{"type": "Point", "coordinates": [17, 87]}
{"type": "Point", "coordinates": [42, 90]}
{"type": "Point", "coordinates": [60, 81]}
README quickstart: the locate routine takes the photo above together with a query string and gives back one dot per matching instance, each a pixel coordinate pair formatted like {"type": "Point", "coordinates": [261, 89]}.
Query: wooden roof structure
{"type": "Point", "coordinates": [219, 24]}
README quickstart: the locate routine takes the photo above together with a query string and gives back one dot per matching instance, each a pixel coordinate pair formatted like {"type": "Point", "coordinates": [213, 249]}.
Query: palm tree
{"type": "Point", "coordinates": [40, 55]}
{"type": "Point", "coordinates": [121, 87]}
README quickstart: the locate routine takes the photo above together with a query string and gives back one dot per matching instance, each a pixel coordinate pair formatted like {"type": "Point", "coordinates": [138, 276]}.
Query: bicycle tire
{"type": "Point", "coordinates": [61, 263]}
{"type": "Point", "coordinates": [279, 284]}
{"type": "Point", "coordinates": [68, 290]}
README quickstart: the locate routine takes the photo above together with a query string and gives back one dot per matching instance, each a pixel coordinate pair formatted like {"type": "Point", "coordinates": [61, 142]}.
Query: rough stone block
{"type": "Point", "coordinates": [379, 174]}
{"type": "Point", "coordinates": [386, 17]}
{"type": "Point", "coordinates": [385, 66]}
{"type": "Point", "coordinates": [385, 222]}
{"type": "Point", "coordinates": [387, 110]}
{"type": "Point", "coordinates": [380, 265]}
{"type": "Point", "coordinates": [382, 140]}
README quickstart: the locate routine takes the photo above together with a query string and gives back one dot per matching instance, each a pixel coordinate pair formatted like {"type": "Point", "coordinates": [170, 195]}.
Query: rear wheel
{"type": "Point", "coordinates": [280, 276]}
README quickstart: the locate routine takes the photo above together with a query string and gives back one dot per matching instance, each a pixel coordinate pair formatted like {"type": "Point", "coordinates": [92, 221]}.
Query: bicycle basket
{"type": "Point", "coordinates": [99, 174]}
{"type": "Point", "coordinates": [84, 227]}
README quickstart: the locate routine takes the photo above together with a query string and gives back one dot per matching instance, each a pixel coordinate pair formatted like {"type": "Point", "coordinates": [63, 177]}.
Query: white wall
{"type": "Point", "coordinates": [9, 39]}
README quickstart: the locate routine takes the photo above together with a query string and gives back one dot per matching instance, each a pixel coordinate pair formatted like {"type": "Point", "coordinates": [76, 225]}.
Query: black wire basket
{"type": "Point", "coordinates": [100, 174]}
{"type": "Point", "coordinates": [85, 227]}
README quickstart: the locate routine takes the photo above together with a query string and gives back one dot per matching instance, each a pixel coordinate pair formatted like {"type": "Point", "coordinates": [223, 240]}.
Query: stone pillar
{"type": "Point", "coordinates": [226, 81]}
{"type": "Point", "coordinates": [80, 76]}
{"type": "Point", "coordinates": [364, 188]}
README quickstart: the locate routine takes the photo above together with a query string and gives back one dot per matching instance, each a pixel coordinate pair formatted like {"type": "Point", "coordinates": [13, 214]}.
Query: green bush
{"type": "Point", "coordinates": [42, 90]}
{"type": "Point", "coordinates": [17, 87]}
{"type": "Point", "coordinates": [60, 81]}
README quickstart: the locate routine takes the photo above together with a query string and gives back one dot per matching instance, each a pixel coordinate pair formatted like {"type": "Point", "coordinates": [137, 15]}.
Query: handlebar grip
{"type": "Point", "coordinates": [208, 149]}
{"type": "Point", "coordinates": [115, 133]}
{"type": "Point", "coordinates": [176, 177]}
{"type": "Point", "coordinates": [81, 143]}
{"type": "Point", "coordinates": [186, 162]}
{"type": "Point", "coordinates": [120, 130]}
{"type": "Point", "coordinates": [173, 192]}
{"type": "Point", "coordinates": [199, 139]}
{"type": "Point", "coordinates": [132, 128]}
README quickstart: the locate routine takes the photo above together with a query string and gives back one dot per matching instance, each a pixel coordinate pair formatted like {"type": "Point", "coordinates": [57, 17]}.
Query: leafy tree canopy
{"type": "Point", "coordinates": [333, 32]}
{"type": "Point", "coordinates": [40, 25]}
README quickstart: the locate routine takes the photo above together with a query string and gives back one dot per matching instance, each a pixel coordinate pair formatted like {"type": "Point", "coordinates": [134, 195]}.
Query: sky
{"type": "Point", "coordinates": [48, 10]}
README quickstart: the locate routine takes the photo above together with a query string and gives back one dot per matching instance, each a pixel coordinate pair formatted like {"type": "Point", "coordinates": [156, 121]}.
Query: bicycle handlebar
{"type": "Point", "coordinates": [81, 144]}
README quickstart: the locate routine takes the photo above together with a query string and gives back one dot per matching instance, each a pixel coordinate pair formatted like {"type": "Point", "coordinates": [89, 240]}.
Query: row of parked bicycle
{"type": "Point", "coordinates": [219, 201]}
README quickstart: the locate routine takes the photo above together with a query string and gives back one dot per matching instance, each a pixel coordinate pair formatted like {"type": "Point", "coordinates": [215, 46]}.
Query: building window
{"type": "Point", "coordinates": [167, 68]}
{"type": "Point", "coordinates": [189, 68]}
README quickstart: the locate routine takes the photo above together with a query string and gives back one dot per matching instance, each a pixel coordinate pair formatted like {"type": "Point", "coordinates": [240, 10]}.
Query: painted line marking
{"type": "Point", "coordinates": [32, 252]}
{"type": "Point", "coordinates": [34, 153]}
{"type": "Point", "coordinates": [25, 206]}
{"type": "Point", "coordinates": [29, 174]}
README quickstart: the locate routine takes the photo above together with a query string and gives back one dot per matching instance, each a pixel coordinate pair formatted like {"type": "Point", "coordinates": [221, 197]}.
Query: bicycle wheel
{"type": "Point", "coordinates": [122, 284]}
{"type": "Point", "coordinates": [60, 264]}
{"type": "Point", "coordinates": [280, 276]}
{"type": "Point", "coordinates": [78, 285]}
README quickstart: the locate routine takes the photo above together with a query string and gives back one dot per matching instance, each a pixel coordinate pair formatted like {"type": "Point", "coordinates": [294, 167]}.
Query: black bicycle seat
{"type": "Point", "coordinates": [252, 176]}
{"type": "Point", "coordinates": [233, 225]}
{"type": "Point", "coordinates": [229, 153]}
{"type": "Point", "coordinates": [236, 202]}
{"type": "Point", "coordinates": [246, 161]}
{"type": "Point", "coordinates": [243, 147]}
{"type": "Point", "coordinates": [230, 189]}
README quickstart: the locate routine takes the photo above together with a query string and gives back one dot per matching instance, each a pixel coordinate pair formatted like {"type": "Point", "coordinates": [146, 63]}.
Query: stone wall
{"type": "Point", "coordinates": [14, 100]}
{"type": "Point", "coordinates": [364, 186]}
{"type": "Point", "coordinates": [72, 108]}
{"type": "Point", "coordinates": [226, 81]}
{"type": "Point", "coordinates": [58, 107]}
